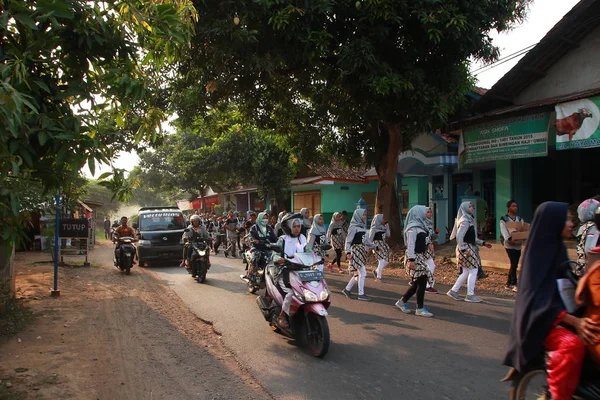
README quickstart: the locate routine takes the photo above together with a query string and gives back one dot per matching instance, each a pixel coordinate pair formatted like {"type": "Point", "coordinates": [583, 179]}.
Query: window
{"type": "Point", "coordinates": [161, 221]}
{"type": "Point", "coordinates": [310, 200]}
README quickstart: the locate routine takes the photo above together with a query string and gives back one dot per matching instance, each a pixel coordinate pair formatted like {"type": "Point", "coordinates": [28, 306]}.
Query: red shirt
{"type": "Point", "coordinates": [125, 231]}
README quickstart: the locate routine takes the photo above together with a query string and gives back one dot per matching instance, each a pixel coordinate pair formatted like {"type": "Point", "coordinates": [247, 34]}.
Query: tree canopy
{"type": "Point", "coordinates": [80, 80]}
{"type": "Point", "coordinates": [367, 75]}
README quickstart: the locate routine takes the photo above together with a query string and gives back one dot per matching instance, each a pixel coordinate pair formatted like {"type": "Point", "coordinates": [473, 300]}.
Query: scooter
{"type": "Point", "coordinates": [256, 275]}
{"type": "Point", "coordinates": [308, 311]}
{"type": "Point", "coordinates": [126, 251]}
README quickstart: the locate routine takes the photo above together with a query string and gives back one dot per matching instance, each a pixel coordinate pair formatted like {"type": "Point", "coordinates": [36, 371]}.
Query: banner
{"type": "Point", "coordinates": [519, 137]}
{"type": "Point", "coordinates": [184, 205]}
{"type": "Point", "coordinates": [576, 124]}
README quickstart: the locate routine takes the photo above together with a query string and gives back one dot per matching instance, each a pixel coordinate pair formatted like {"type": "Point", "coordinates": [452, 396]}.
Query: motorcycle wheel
{"type": "Point", "coordinates": [532, 385]}
{"type": "Point", "coordinates": [317, 335]}
{"type": "Point", "coordinates": [202, 269]}
{"type": "Point", "coordinates": [126, 267]}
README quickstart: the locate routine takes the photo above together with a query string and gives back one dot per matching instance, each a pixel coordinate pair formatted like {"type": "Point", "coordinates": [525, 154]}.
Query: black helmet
{"type": "Point", "coordinates": [289, 217]}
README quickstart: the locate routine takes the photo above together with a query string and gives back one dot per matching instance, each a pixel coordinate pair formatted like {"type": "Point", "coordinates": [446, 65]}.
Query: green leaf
{"type": "Point", "coordinates": [104, 176]}
{"type": "Point", "coordinates": [25, 20]}
{"type": "Point", "coordinates": [92, 166]}
{"type": "Point", "coordinates": [42, 86]}
{"type": "Point", "coordinates": [42, 138]}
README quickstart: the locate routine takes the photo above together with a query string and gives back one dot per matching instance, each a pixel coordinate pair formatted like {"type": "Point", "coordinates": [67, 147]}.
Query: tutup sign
{"type": "Point", "coordinates": [577, 123]}
{"type": "Point", "coordinates": [73, 228]}
{"type": "Point", "coordinates": [519, 137]}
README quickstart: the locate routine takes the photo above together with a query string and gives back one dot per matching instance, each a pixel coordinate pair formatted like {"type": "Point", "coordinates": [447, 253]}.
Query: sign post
{"type": "Point", "coordinates": [73, 228]}
{"type": "Point", "coordinates": [55, 292]}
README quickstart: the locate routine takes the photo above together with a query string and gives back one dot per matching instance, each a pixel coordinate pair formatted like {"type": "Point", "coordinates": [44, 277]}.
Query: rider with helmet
{"type": "Point", "coordinates": [261, 231]}
{"type": "Point", "coordinates": [195, 230]}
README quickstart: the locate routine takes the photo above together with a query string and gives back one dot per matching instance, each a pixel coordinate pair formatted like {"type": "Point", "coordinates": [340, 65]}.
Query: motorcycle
{"type": "Point", "coordinates": [199, 264]}
{"type": "Point", "coordinates": [532, 383]}
{"type": "Point", "coordinates": [256, 275]}
{"type": "Point", "coordinates": [311, 299]}
{"type": "Point", "coordinates": [126, 251]}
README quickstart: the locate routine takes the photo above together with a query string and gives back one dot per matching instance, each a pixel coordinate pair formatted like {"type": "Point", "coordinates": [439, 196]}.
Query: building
{"type": "Point", "coordinates": [535, 134]}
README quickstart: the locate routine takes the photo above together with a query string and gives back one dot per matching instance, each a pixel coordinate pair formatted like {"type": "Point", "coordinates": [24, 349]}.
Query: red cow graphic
{"type": "Point", "coordinates": [571, 124]}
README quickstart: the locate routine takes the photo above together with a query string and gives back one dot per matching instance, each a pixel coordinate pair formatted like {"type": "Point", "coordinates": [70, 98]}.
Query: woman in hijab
{"type": "Point", "coordinates": [587, 235]}
{"type": "Point", "coordinates": [278, 230]}
{"type": "Point", "coordinates": [540, 319]}
{"type": "Point", "coordinates": [416, 232]}
{"type": "Point", "coordinates": [306, 223]}
{"type": "Point", "coordinates": [357, 245]}
{"type": "Point", "coordinates": [291, 243]}
{"type": "Point", "coordinates": [377, 234]}
{"type": "Point", "coordinates": [467, 252]}
{"type": "Point", "coordinates": [317, 237]}
{"type": "Point", "coordinates": [259, 232]}
{"type": "Point", "coordinates": [335, 236]}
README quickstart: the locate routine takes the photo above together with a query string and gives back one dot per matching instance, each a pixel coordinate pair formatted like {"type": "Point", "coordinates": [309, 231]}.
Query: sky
{"type": "Point", "coordinates": [542, 16]}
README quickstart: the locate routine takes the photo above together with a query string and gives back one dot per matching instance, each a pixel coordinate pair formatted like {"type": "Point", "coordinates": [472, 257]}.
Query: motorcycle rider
{"type": "Point", "coordinates": [231, 225]}
{"type": "Point", "coordinates": [122, 231]}
{"type": "Point", "coordinates": [195, 230]}
{"type": "Point", "coordinates": [292, 242]}
{"type": "Point", "coordinates": [261, 230]}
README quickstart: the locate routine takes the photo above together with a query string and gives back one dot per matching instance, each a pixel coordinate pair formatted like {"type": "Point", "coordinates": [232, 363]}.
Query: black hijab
{"type": "Point", "coordinates": [538, 301]}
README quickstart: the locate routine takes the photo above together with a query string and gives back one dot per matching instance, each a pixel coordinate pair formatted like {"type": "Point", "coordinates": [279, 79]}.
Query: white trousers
{"type": "Point", "coordinates": [362, 274]}
{"type": "Point", "coordinates": [431, 265]}
{"type": "Point", "coordinates": [287, 300]}
{"type": "Point", "coordinates": [382, 264]}
{"type": "Point", "coordinates": [471, 274]}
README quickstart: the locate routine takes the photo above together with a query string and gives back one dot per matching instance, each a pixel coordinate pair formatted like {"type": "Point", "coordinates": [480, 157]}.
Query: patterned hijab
{"type": "Point", "coordinates": [357, 219]}
{"type": "Point", "coordinates": [416, 219]}
{"type": "Point", "coordinates": [316, 229]}
{"type": "Point", "coordinates": [463, 215]}
{"type": "Point", "coordinates": [585, 212]}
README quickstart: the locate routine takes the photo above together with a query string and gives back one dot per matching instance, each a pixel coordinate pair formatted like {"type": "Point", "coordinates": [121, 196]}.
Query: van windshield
{"type": "Point", "coordinates": [161, 221]}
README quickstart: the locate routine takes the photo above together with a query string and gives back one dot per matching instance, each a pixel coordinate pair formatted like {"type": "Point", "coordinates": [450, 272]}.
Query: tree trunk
{"type": "Point", "coordinates": [7, 265]}
{"type": "Point", "coordinates": [386, 167]}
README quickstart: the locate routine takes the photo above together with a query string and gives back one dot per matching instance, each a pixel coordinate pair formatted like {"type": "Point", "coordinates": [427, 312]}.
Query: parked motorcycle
{"type": "Point", "coordinates": [256, 273]}
{"type": "Point", "coordinates": [308, 311]}
{"type": "Point", "coordinates": [126, 251]}
{"type": "Point", "coordinates": [199, 263]}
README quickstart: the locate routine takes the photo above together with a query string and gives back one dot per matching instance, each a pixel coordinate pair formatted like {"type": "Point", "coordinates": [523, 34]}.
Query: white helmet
{"type": "Point", "coordinates": [195, 218]}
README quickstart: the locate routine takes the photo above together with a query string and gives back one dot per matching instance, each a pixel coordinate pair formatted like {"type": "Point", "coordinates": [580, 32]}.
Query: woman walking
{"type": "Point", "coordinates": [377, 234]}
{"type": "Point", "coordinates": [467, 252]}
{"type": "Point", "coordinates": [306, 224]}
{"type": "Point", "coordinates": [316, 237]}
{"type": "Point", "coordinates": [512, 247]}
{"type": "Point", "coordinates": [357, 245]}
{"type": "Point", "coordinates": [415, 260]}
{"type": "Point", "coordinates": [335, 236]}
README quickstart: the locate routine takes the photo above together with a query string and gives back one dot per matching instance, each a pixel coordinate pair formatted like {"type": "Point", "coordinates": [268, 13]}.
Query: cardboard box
{"type": "Point", "coordinates": [518, 230]}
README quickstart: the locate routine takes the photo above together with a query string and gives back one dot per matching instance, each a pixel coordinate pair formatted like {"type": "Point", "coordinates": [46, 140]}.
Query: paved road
{"type": "Point", "coordinates": [376, 351]}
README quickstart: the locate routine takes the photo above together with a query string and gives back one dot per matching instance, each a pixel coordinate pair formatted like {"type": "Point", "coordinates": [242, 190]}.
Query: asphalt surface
{"type": "Point", "coordinates": [376, 352]}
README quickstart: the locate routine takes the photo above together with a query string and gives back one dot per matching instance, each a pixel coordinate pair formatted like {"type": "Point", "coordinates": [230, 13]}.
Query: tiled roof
{"type": "Point", "coordinates": [336, 171]}
{"type": "Point", "coordinates": [447, 137]}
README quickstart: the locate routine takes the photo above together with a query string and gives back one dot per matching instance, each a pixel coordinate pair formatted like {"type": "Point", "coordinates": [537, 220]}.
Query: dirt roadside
{"type": "Point", "coordinates": [112, 336]}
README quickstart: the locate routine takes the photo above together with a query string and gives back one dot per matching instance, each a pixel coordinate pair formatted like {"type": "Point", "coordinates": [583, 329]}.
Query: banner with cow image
{"type": "Point", "coordinates": [576, 125]}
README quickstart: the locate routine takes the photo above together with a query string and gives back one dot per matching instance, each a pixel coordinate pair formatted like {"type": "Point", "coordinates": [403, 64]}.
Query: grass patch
{"type": "Point", "coordinates": [14, 316]}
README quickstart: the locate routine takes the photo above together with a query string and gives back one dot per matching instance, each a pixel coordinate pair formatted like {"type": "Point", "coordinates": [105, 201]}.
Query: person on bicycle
{"type": "Point", "coordinates": [541, 323]}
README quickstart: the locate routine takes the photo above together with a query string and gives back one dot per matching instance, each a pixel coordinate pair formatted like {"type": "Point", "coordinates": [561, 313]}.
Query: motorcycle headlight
{"type": "Point", "coordinates": [144, 243]}
{"type": "Point", "coordinates": [324, 294]}
{"type": "Point", "coordinates": [310, 296]}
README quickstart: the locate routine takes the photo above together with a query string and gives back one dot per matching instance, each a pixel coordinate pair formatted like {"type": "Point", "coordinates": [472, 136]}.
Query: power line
{"type": "Point", "coordinates": [507, 58]}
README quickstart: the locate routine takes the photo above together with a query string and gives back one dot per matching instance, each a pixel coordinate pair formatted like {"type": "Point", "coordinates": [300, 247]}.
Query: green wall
{"type": "Point", "coordinates": [418, 190]}
{"type": "Point", "coordinates": [334, 199]}
{"type": "Point", "coordinates": [503, 190]}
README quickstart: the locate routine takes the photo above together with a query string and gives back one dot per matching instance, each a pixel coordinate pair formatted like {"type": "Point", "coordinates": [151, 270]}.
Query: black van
{"type": "Point", "coordinates": [159, 231]}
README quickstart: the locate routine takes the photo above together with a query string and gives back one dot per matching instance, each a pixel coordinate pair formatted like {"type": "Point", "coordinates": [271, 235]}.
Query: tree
{"type": "Point", "coordinates": [221, 150]}
{"type": "Point", "coordinates": [370, 74]}
{"type": "Point", "coordinates": [80, 80]}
